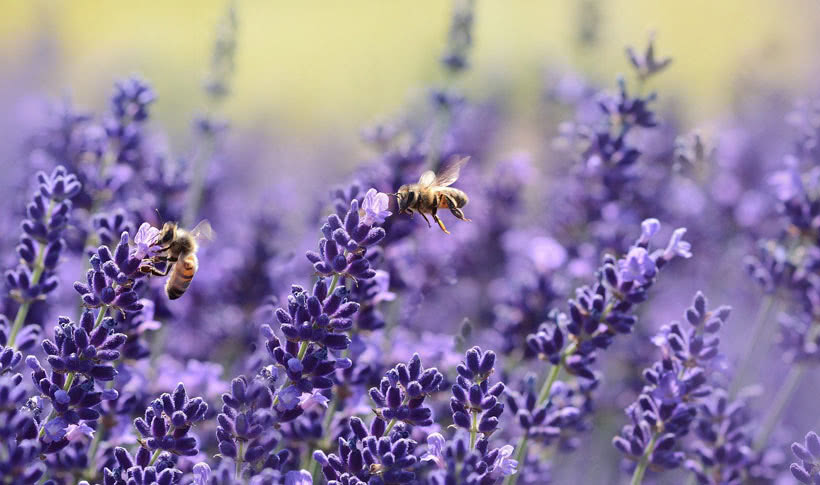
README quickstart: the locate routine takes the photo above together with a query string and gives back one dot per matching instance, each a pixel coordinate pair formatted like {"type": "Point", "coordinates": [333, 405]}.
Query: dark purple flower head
{"type": "Point", "coordinates": [73, 395]}
{"type": "Point", "coordinates": [168, 421]}
{"type": "Point", "coordinates": [85, 348]}
{"type": "Point", "coordinates": [697, 344]}
{"type": "Point", "coordinates": [10, 357]}
{"type": "Point", "coordinates": [475, 405]}
{"type": "Point", "coordinates": [109, 226]}
{"type": "Point", "coordinates": [344, 247]}
{"type": "Point", "coordinates": [246, 426]}
{"type": "Point", "coordinates": [110, 281]}
{"type": "Point", "coordinates": [723, 449]}
{"type": "Point", "coordinates": [402, 391]}
{"type": "Point", "coordinates": [676, 388]}
{"type": "Point", "coordinates": [321, 317]}
{"type": "Point", "coordinates": [141, 469]}
{"type": "Point", "coordinates": [547, 421]}
{"type": "Point", "coordinates": [371, 456]}
{"type": "Point", "coordinates": [131, 99]}
{"type": "Point", "coordinates": [18, 428]}
{"type": "Point", "coordinates": [41, 242]}
{"type": "Point", "coordinates": [605, 309]}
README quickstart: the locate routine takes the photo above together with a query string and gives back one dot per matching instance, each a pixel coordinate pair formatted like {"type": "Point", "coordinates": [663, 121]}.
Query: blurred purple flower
{"type": "Point", "coordinates": [637, 266]}
{"type": "Point", "coordinates": [504, 465]}
{"type": "Point", "coordinates": [300, 477]}
{"type": "Point", "coordinates": [435, 450]}
{"type": "Point", "coordinates": [313, 401]}
{"type": "Point", "coordinates": [677, 246]}
{"type": "Point", "coordinates": [76, 432]}
{"type": "Point", "coordinates": [289, 397]}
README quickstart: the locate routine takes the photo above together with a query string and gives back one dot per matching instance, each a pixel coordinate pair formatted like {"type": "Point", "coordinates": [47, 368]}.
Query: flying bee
{"type": "Point", "coordinates": [178, 249]}
{"type": "Point", "coordinates": [433, 192]}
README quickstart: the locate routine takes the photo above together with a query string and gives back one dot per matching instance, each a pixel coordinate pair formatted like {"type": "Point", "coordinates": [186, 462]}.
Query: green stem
{"type": "Point", "coordinates": [547, 387]}
{"type": "Point", "coordinates": [333, 283]}
{"type": "Point", "coordinates": [154, 457]}
{"type": "Point", "coordinates": [543, 395]}
{"type": "Point", "coordinates": [744, 364]}
{"type": "Point", "coordinates": [473, 429]}
{"type": "Point", "coordinates": [781, 399]}
{"type": "Point", "coordinates": [390, 426]}
{"type": "Point", "coordinates": [239, 457]}
{"type": "Point", "coordinates": [640, 470]}
{"type": "Point", "coordinates": [520, 456]}
{"type": "Point", "coordinates": [100, 315]}
{"type": "Point", "coordinates": [158, 452]}
{"type": "Point", "coordinates": [22, 312]}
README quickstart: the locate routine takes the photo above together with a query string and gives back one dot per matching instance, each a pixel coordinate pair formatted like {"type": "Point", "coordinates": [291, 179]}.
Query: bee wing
{"type": "Point", "coordinates": [449, 175]}
{"type": "Point", "coordinates": [427, 178]}
{"type": "Point", "coordinates": [203, 232]}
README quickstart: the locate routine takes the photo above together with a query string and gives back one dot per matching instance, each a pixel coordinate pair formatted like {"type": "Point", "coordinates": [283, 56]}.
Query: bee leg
{"type": "Point", "coordinates": [451, 203]}
{"type": "Point", "coordinates": [426, 219]}
{"type": "Point", "coordinates": [436, 218]}
{"type": "Point", "coordinates": [441, 224]}
{"type": "Point", "coordinates": [458, 213]}
{"type": "Point", "coordinates": [151, 269]}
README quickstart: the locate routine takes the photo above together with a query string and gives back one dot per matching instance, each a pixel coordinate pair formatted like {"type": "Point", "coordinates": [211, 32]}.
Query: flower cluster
{"type": "Point", "coordinates": [168, 421]}
{"type": "Point", "coordinates": [402, 391]}
{"type": "Point", "coordinates": [475, 404]}
{"type": "Point", "coordinates": [321, 317]}
{"type": "Point", "coordinates": [667, 406]}
{"type": "Point", "coordinates": [79, 356]}
{"type": "Point", "coordinates": [372, 456]}
{"type": "Point", "coordinates": [110, 281]}
{"type": "Point", "coordinates": [313, 374]}
{"type": "Point", "coordinates": [723, 452]}
{"type": "Point", "coordinates": [141, 469]}
{"type": "Point", "coordinates": [245, 426]}
{"type": "Point", "coordinates": [41, 242]}
{"type": "Point", "coordinates": [600, 312]}
{"type": "Point", "coordinates": [456, 462]}
{"type": "Point", "coordinates": [18, 431]}
{"type": "Point", "coordinates": [343, 249]}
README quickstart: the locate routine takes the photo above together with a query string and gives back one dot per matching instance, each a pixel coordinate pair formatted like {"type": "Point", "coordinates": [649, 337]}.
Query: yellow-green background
{"type": "Point", "coordinates": [312, 68]}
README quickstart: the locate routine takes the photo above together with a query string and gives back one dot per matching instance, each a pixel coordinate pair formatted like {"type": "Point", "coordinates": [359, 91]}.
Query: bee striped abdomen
{"type": "Point", "coordinates": [183, 272]}
{"type": "Point", "coordinates": [452, 199]}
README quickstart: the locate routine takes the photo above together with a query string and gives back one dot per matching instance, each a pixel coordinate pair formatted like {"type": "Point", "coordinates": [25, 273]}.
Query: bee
{"type": "Point", "coordinates": [178, 249]}
{"type": "Point", "coordinates": [433, 192]}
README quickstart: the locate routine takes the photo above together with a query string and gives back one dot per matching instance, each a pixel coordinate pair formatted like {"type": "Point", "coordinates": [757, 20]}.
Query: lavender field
{"type": "Point", "coordinates": [606, 273]}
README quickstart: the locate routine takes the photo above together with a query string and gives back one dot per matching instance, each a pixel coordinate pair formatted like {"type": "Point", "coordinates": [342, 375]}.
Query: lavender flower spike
{"type": "Point", "coordinates": [809, 453]}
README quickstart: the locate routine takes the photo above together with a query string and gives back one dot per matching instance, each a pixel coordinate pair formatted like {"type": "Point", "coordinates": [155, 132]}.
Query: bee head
{"type": "Point", "coordinates": [405, 198]}
{"type": "Point", "coordinates": [168, 233]}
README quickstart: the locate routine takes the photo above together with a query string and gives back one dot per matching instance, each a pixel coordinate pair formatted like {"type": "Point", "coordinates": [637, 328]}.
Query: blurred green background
{"type": "Point", "coordinates": [314, 69]}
